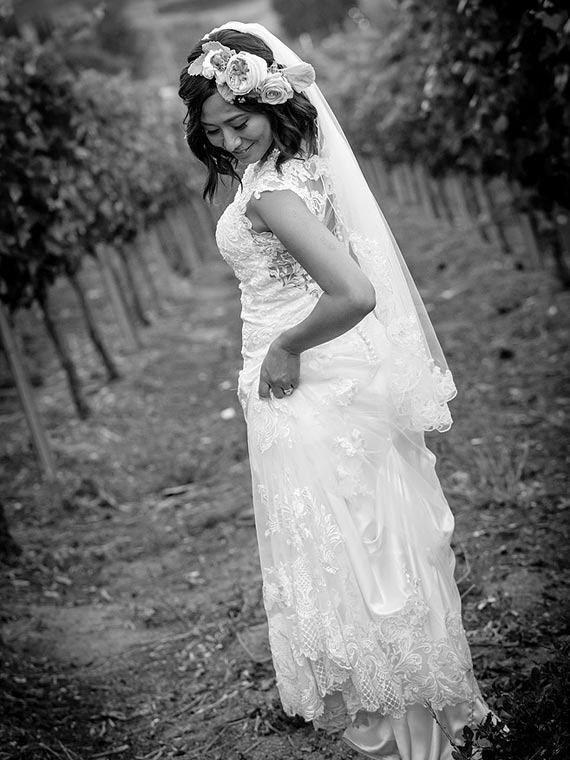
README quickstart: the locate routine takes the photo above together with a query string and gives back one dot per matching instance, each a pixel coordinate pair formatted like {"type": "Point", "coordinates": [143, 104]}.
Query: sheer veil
{"type": "Point", "coordinates": [419, 379]}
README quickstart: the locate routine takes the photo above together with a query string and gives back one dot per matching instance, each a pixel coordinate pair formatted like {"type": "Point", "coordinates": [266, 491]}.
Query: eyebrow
{"type": "Point", "coordinates": [226, 121]}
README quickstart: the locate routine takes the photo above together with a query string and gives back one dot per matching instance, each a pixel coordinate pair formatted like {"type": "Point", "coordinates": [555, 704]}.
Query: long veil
{"type": "Point", "coordinates": [419, 379]}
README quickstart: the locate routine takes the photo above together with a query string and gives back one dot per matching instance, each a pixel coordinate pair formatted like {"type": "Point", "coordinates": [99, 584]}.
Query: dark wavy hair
{"type": "Point", "coordinates": [293, 123]}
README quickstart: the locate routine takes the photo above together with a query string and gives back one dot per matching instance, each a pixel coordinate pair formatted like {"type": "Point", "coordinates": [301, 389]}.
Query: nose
{"type": "Point", "coordinates": [231, 141]}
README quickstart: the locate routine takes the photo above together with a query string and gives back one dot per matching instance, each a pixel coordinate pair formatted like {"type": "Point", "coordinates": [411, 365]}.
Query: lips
{"type": "Point", "coordinates": [241, 153]}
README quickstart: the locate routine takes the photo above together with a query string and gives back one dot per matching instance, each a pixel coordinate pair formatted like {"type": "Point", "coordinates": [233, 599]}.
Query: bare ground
{"type": "Point", "coordinates": [132, 625]}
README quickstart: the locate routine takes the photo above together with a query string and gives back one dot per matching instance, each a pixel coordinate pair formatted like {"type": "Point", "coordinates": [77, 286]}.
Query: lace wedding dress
{"type": "Point", "coordinates": [353, 528]}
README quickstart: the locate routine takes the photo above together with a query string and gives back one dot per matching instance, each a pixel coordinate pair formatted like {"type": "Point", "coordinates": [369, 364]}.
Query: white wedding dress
{"type": "Point", "coordinates": [353, 528]}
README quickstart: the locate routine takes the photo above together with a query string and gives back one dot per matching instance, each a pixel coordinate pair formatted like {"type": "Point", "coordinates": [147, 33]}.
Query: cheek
{"type": "Point", "coordinates": [262, 128]}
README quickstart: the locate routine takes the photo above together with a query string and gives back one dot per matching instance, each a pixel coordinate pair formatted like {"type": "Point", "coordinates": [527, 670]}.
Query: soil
{"type": "Point", "coordinates": [132, 624]}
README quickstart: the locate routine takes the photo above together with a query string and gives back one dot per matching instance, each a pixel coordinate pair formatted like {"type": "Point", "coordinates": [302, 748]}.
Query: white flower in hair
{"type": "Point", "coordinates": [213, 62]}
{"type": "Point", "coordinates": [245, 72]}
{"type": "Point", "coordinates": [275, 89]}
{"type": "Point", "coordinates": [241, 74]}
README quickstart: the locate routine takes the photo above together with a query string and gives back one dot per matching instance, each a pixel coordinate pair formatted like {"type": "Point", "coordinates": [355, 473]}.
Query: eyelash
{"type": "Point", "coordinates": [238, 128]}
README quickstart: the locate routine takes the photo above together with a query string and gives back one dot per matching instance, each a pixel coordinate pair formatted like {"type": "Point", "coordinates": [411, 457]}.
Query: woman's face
{"type": "Point", "coordinates": [247, 136]}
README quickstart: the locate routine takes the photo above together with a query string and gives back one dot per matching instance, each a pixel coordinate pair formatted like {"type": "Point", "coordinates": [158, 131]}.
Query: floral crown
{"type": "Point", "coordinates": [241, 74]}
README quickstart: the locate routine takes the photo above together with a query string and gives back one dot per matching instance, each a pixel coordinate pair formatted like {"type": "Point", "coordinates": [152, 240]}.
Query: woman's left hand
{"type": "Point", "coordinates": [279, 373]}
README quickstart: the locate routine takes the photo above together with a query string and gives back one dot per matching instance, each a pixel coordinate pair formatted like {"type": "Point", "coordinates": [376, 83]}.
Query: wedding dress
{"type": "Point", "coordinates": [353, 527]}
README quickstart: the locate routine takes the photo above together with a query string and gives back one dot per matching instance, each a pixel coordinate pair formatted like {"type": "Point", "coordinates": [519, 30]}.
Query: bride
{"type": "Point", "coordinates": [342, 375]}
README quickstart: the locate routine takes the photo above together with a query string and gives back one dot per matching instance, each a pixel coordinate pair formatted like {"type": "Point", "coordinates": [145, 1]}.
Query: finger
{"type": "Point", "coordinates": [277, 391]}
{"type": "Point", "coordinates": [264, 389]}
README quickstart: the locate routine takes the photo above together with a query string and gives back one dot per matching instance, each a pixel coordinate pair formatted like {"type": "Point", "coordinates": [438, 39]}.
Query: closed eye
{"type": "Point", "coordinates": [237, 127]}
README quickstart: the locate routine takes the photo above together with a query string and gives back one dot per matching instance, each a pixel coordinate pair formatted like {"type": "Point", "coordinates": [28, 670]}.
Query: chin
{"type": "Point", "coordinates": [250, 158]}
{"type": "Point", "coordinates": [255, 153]}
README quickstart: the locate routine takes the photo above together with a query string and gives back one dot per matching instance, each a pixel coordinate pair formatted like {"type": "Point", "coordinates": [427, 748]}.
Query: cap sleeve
{"type": "Point", "coordinates": [305, 177]}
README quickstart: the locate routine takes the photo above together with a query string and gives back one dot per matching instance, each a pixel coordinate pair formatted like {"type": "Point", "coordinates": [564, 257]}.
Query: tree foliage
{"type": "Point", "coordinates": [87, 159]}
{"type": "Point", "coordinates": [105, 38]}
{"type": "Point", "coordinates": [315, 17]}
{"type": "Point", "coordinates": [482, 85]}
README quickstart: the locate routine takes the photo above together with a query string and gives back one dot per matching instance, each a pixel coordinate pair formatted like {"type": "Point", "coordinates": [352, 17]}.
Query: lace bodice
{"type": "Point", "coordinates": [276, 291]}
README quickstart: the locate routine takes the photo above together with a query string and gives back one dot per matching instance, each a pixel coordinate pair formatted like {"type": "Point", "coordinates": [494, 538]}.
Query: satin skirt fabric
{"type": "Point", "coordinates": [358, 575]}
{"type": "Point", "coordinates": [417, 735]}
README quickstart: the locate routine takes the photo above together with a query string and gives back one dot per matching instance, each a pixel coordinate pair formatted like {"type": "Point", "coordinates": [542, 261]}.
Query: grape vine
{"type": "Point", "coordinates": [87, 159]}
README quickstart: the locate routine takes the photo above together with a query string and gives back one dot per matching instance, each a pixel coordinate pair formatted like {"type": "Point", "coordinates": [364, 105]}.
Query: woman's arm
{"type": "Point", "coordinates": [348, 295]}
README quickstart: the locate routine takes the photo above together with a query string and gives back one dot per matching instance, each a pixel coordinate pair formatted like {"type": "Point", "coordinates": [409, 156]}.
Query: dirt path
{"type": "Point", "coordinates": [132, 626]}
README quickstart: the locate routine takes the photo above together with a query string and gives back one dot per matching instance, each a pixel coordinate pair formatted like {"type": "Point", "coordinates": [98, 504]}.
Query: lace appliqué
{"type": "Point", "coordinates": [288, 271]}
{"type": "Point", "coordinates": [353, 446]}
{"type": "Point", "coordinates": [341, 393]}
{"type": "Point", "coordinates": [254, 336]}
{"type": "Point", "coordinates": [301, 518]}
{"type": "Point", "coordinates": [419, 389]}
{"type": "Point", "coordinates": [351, 455]}
{"type": "Point", "coordinates": [271, 422]}
{"type": "Point", "coordinates": [385, 665]}
{"type": "Point", "coordinates": [308, 527]}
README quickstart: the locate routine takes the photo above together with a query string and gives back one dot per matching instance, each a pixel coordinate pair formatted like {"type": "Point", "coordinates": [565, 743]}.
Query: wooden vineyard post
{"type": "Point", "coordinates": [92, 328]}
{"type": "Point", "coordinates": [530, 241]}
{"type": "Point", "coordinates": [384, 178]}
{"type": "Point", "coordinates": [156, 246]}
{"type": "Point", "coordinates": [453, 190]}
{"type": "Point", "coordinates": [487, 202]}
{"type": "Point", "coordinates": [117, 267]}
{"type": "Point", "coordinates": [400, 191]}
{"type": "Point", "coordinates": [464, 200]}
{"type": "Point", "coordinates": [127, 328]}
{"type": "Point", "coordinates": [425, 192]}
{"type": "Point", "coordinates": [409, 182]}
{"type": "Point", "coordinates": [559, 237]}
{"type": "Point", "coordinates": [562, 224]}
{"type": "Point", "coordinates": [524, 217]}
{"type": "Point", "coordinates": [133, 287]}
{"type": "Point", "coordinates": [473, 204]}
{"type": "Point", "coordinates": [438, 184]}
{"type": "Point", "coordinates": [171, 248]}
{"type": "Point", "coordinates": [435, 196]}
{"type": "Point", "coordinates": [448, 198]}
{"type": "Point", "coordinates": [407, 191]}
{"type": "Point", "coordinates": [184, 239]}
{"type": "Point", "coordinates": [497, 223]}
{"type": "Point", "coordinates": [64, 356]}
{"type": "Point", "coordinates": [483, 202]}
{"type": "Point", "coordinates": [141, 257]}
{"type": "Point", "coordinates": [17, 369]}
